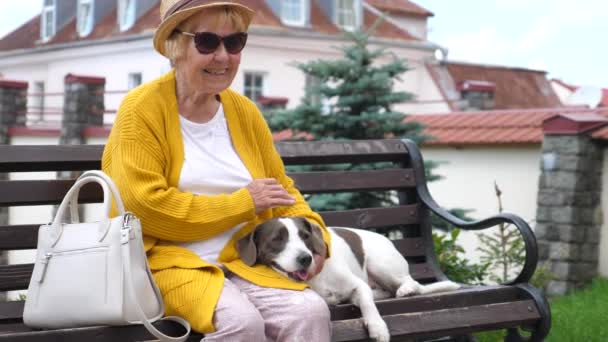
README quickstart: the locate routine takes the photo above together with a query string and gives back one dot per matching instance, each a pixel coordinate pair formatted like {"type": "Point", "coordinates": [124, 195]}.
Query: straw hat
{"type": "Point", "coordinates": [174, 12]}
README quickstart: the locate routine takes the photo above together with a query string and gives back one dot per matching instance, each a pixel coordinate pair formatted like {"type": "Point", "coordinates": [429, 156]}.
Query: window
{"type": "Point", "coordinates": [293, 12]}
{"type": "Point", "coordinates": [126, 14]}
{"type": "Point", "coordinates": [134, 79]}
{"type": "Point", "coordinates": [48, 20]}
{"type": "Point", "coordinates": [37, 105]}
{"type": "Point", "coordinates": [85, 17]}
{"type": "Point", "coordinates": [254, 85]}
{"type": "Point", "coordinates": [347, 14]}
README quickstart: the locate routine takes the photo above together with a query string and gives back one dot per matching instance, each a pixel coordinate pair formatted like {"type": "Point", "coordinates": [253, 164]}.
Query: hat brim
{"type": "Point", "coordinates": [167, 26]}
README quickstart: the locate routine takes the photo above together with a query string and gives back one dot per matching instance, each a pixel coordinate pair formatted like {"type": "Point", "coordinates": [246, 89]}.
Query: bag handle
{"type": "Point", "coordinates": [105, 178]}
{"type": "Point", "coordinates": [71, 197]}
{"type": "Point", "coordinates": [126, 257]}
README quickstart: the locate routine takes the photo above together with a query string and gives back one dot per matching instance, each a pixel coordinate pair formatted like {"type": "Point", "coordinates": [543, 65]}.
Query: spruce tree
{"type": "Point", "coordinates": [352, 98]}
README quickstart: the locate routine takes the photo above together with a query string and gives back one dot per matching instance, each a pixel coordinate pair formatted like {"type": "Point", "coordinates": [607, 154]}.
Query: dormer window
{"type": "Point", "coordinates": [348, 14]}
{"type": "Point", "coordinates": [48, 20]}
{"type": "Point", "coordinates": [293, 12]}
{"type": "Point", "coordinates": [126, 14]}
{"type": "Point", "coordinates": [84, 17]}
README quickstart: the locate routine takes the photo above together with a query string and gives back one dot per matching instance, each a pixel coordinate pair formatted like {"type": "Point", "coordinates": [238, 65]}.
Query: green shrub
{"type": "Point", "coordinates": [453, 262]}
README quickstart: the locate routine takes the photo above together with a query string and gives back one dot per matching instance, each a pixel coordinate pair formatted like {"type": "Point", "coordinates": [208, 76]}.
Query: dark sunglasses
{"type": "Point", "coordinates": [207, 42]}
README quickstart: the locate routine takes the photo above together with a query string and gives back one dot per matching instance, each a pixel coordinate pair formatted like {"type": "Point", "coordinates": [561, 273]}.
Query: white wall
{"type": "Point", "coordinates": [269, 54]}
{"type": "Point", "coordinates": [469, 174]}
{"type": "Point", "coordinates": [417, 26]}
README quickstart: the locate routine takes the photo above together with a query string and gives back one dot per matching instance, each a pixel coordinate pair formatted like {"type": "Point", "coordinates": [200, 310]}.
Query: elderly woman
{"type": "Point", "coordinates": [197, 164]}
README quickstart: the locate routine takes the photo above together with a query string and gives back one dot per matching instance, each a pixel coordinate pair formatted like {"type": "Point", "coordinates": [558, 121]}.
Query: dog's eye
{"type": "Point", "coordinates": [277, 238]}
{"type": "Point", "coordinates": [305, 235]}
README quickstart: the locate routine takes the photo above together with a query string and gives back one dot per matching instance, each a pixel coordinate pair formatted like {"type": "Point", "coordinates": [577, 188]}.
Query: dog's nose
{"type": "Point", "coordinates": [304, 259]}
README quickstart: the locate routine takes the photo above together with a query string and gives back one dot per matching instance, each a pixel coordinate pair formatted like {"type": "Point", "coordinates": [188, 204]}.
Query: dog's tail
{"type": "Point", "coordinates": [441, 286]}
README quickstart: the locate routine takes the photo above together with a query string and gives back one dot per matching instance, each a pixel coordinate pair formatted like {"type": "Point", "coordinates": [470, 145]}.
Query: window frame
{"type": "Point", "coordinates": [126, 14]}
{"type": "Point", "coordinates": [52, 9]}
{"type": "Point", "coordinates": [132, 77]}
{"type": "Point", "coordinates": [261, 90]}
{"type": "Point", "coordinates": [356, 11]}
{"type": "Point", "coordinates": [304, 7]}
{"type": "Point", "coordinates": [84, 31]}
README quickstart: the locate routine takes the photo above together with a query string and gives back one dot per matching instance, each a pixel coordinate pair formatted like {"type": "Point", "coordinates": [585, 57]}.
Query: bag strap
{"type": "Point", "coordinates": [126, 257]}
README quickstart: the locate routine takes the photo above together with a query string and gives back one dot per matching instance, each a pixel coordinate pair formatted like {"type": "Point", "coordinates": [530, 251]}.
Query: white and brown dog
{"type": "Point", "coordinates": [363, 265]}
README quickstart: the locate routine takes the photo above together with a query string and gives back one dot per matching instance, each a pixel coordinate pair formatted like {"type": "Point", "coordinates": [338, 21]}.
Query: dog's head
{"type": "Point", "coordinates": [292, 246]}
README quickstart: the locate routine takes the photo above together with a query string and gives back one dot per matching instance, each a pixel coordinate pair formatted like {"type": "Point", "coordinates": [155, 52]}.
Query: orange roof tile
{"type": "Point", "coordinates": [495, 127]}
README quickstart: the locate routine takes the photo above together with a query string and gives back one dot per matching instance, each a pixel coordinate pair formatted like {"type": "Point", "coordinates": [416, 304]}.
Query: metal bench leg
{"type": "Point", "coordinates": [541, 329]}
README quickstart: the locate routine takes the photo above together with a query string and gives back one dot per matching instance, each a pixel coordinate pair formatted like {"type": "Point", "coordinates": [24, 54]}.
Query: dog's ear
{"type": "Point", "coordinates": [247, 249]}
{"type": "Point", "coordinates": [316, 237]}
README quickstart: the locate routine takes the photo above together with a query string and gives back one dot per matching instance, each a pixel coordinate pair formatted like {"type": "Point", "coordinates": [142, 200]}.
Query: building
{"type": "Point", "coordinates": [113, 39]}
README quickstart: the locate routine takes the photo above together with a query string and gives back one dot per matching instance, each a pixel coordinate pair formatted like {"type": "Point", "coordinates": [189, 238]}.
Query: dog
{"type": "Point", "coordinates": [363, 265]}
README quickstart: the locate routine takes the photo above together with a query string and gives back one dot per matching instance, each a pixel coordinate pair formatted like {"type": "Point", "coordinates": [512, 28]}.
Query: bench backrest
{"type": "Point", "coordinates": [401, 173]}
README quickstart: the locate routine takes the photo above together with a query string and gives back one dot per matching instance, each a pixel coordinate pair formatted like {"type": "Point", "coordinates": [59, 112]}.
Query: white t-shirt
{"type": "Point", "coordinates": [211, 167]}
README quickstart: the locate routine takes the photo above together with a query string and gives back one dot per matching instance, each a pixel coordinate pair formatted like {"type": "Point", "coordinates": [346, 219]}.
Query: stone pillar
{"type": "Point", "coordinates": [569, 216]}
{"type": "Point", "coordinates": [83, 106]}
{"type": "Point", "coordinates": [13, 108]}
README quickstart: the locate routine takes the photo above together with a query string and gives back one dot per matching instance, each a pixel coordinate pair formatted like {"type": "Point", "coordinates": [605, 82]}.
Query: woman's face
{"type": "Point", "coordinates": [211, 73]}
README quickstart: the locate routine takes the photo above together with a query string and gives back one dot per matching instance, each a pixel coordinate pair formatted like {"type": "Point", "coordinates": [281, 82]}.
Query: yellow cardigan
{"type": "Point", "coordinates": [144, 156]}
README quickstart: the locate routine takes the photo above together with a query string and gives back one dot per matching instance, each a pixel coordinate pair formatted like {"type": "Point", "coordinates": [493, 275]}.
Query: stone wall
{"type": "Point", "coordinates": [83, 106]}
{"type": "Point", "coordinates": [569, 213]}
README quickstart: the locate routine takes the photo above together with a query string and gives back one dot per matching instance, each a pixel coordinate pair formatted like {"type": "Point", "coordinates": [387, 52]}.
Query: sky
{"type": "Point", "coordinates": [564, 37]}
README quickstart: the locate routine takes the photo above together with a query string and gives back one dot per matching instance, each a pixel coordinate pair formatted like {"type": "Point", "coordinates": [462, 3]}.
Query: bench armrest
{"type": "Point", "coordinates": [521, 225]}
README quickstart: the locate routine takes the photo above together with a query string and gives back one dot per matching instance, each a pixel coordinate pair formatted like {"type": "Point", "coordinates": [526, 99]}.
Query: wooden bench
{"type": "Point", "coordinates": [474, 308]}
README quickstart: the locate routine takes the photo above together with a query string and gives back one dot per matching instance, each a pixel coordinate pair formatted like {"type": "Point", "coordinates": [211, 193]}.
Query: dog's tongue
{"type": "Point", "coordinates": [300, 275]}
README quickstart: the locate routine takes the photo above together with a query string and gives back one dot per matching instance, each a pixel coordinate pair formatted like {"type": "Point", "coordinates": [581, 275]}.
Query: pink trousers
{"type": "Point", "coordinates": [250, 313]}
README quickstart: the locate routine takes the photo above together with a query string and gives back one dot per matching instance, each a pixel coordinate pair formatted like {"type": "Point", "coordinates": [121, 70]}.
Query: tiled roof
{"type": "Point", "coordinates": [516, 88]}
{"type": "Point", "coordinates": [400, 6]}
{"type": "Point", "coordinates": [522, 126]}
{"type": "Point", "coordinates": [28, 35]}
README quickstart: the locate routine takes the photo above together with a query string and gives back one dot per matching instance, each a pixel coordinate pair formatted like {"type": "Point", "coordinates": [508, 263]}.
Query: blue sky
{"type": "Point", "coordinates": [567, 38]}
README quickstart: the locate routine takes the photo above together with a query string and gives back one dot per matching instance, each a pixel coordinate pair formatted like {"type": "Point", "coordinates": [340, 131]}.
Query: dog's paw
{"type": "Point", "coordinates": [406, 290]}
{"type": "Point", "coordinates": [378, 330]}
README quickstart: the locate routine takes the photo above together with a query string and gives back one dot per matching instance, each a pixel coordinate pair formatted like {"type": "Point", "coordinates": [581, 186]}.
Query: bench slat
{"type": "Point", "coordinates": [465, 296]}
{"type": "Point", "coordinates": [50, 158]}
{"type": "Point", "coordinates": [26, 236]}
{"type": "Point", "coordinates": [17, 277]}
{"type": "Point", "coordinates": [372, 217]}
{"type": "Point", "coordinates": [87, 157]}
{"type": "Point", "coordinates": [352, 181]}
{"type": "Point", "coordinates": [43, 192]}
{"type": "Point", "coordinates": [98, 334]}
{"type": "Point", "coordinates": [444, 322]}
{"type": "Point", "coordinates": [19, 237]}
{"type": "Point", "coordinates": [331, 152]}
{"type": "Point", "coordinates": [51, 191]}
{"type": "Point", "coordinates": [422, 324]}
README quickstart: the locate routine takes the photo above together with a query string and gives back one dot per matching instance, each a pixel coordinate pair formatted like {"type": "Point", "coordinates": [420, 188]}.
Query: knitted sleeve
{"type": "Point", "coordinates": [135, 160]}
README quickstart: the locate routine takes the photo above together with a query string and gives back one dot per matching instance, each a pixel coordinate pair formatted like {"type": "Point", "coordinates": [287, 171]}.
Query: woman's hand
{"type": "Point", "coordinates": [268, 193]}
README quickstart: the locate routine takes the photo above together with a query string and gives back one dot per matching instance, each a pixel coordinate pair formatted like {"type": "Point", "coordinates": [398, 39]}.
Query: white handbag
{"type": "Point", "coordinates": [94, 273]}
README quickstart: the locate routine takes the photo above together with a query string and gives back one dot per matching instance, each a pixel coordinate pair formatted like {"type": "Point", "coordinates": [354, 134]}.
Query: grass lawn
{"type": "Point", "coordinates": [580, 316]}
